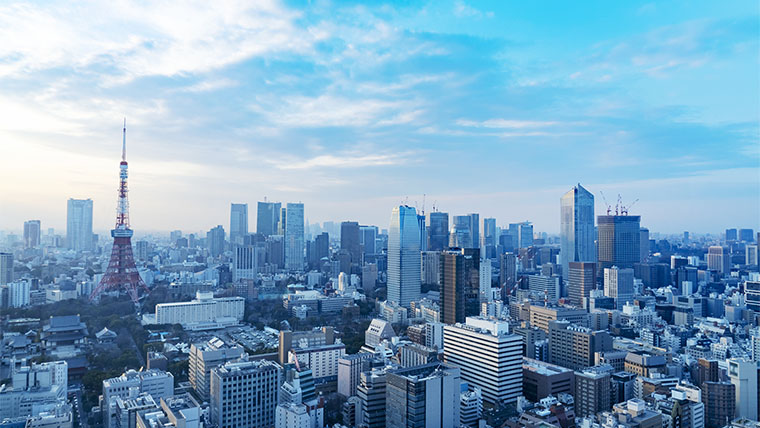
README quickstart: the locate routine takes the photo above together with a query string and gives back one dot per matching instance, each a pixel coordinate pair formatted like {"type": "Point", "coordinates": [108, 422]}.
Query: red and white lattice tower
{"type": "Point", "coordinates": [122, 274]}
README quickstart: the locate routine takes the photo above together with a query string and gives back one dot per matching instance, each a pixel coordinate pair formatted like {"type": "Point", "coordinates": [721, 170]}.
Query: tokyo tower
{"type": "Point", "coordinates": [121, 274]}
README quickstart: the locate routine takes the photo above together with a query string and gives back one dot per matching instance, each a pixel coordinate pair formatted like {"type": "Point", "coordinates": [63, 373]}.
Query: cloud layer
{"type": "Point", "coordinates": [495, 108]}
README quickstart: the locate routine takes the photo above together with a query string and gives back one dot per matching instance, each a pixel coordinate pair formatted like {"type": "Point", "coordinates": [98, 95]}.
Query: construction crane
{"type": "Point", "coordinates": [609, 207]}
{"type": "Point", "coordinates": [295, 359]}
{"type": "Point", "coordinates": [624, 210]}
{"type": "Point", "coordinates": [619, 204]}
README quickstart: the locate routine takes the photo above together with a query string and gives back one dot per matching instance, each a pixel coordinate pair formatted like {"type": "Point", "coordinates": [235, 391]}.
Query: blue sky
{"type": "Point", "coordinates": [490, 107]}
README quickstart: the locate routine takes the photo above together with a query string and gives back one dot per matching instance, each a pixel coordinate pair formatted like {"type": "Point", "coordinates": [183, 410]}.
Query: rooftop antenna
{"type": "Point", "coordinates": [423, 204]}
{"type": "Point", "coordinates": [124, 141]}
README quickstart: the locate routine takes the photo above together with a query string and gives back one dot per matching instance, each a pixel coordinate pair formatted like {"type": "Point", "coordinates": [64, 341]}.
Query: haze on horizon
{"type": "Point", "coordinates": [489, 107]}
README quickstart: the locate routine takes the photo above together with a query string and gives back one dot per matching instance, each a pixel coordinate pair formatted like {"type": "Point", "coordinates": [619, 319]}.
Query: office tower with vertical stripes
{"type": "Point", "coordinates": [576, 228]}
{"type": "Point", "coordinates": [404, 260]}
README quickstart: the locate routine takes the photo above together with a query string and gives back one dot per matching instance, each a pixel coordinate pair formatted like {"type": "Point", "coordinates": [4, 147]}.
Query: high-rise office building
{"type": "Point", "coordinates": [203, 358]}
{"type": "Point", "coordinates": [19, 294]}
{"type": "Point", "coordinates": [752, 295]}
{"type": "Point", "coordinates": [731, 235]}
{"type": "Point", "coordinates": [485, 277]}
{"type": "Point", "coordinates": [576, 227]}
{"type": "Point", "coordinates": [743, 374]}
{"type": "Point", "coordinates": [490, 240]}
{"type": "Point", "coordinates": [368, 239]}
{"type": "Point", "coordinates": [350, 242]}
{"type": "Point", "coordinates": [79, 224]}
{"type": "Point", "coordinates": [349, 371]}
{"type": "Point", "coordinates": [452, 282]}
{"type": "Point", "coordinates": [268, 218]}
{"type": "Point", "coordinates": [404, 260]}
{"type": "Point", "coordinates": [245, 393]}
{"type": "Point", "coordinates": [6, 268]}
{"type": "Point", "coordinates": [524, 234]}
{"type": "Point", "coordinates": [574, 346]}
{"type": "Point", "coordinates": [431, 267]}
{"type": "Point", "coordinates": [618, 283]}
{"type": "Point", "coordinates": [423, 232]}
{"type": "Point", "coordinates": [32, 233]}
{"type": "Point", "coordinates": [540, 316]}
{"type": "Point", "coordinates": [488, 355]}
{"type": "Point", "coordinates": [751, 255]}
{"type": "Point", "coordinates": [245, 261]}
{"type": "Point", "coordinates": [215, 241]}
{"type": "Point", "coordinates": [541, 379]}
{"type": "Point", "coordinates": [719, 259]}
{"type": "Point", "coordinates": [619, 241]}
{"type": "Point", "coordinates": [475, 229]}
{"type": "Point", "coordinates": [644, 244]}
{"type": "Point", "coordinates": [592, 390]}
{"type": "Point", "coordinates": [238, 222]}
{"type": "Point", "coordinates": [461, 236]}
{"type": "Point", "coordinates": [424, 396]}
{"type": "Point", "coordinates": [719, 399]}
{"type": "Point", "coordinates": [438, 231]}
{"type": "Point", "coordinates": [294, 237]}
{"type": "Point", "coordinates": [371, 393]}
{"type": "Point", "coordinates": [507, 270]}
{"type": "Point", "coordinates": [746, 235]}
{"type": "Point", "coordinates": [581, 279]}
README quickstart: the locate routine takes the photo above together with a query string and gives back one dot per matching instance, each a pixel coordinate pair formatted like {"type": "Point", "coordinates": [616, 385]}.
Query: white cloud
{"type": "Point", "coordinates": [133, 39]}
{"type": "Point", "coordinates": [210, 85]}
{"type": "Point", "coordinates": [347, 160]}
{"type": "Point", "coordinates": [506, 123]}
{"type": "Point", "coordinates": [332, 110]}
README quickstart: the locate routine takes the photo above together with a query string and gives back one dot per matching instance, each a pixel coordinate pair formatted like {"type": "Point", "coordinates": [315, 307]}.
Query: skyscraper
{"type": "Point", "coordinates": [581, 279]}
{"type": "Point", "coordinates": [215, 241]}
{"type": "Point", "coordinates": [525, 234]}
{"type": "Point", "coordinates": [744, 375]}
{"type": "Point", "coordinates": [238, 222]}
{"type": "Point", "coordinates": [438, 231]}
{"type": "Point", "coordinates": [6, 268]}
{"type": "Point", "coordinates": [619, 241]}
{"type": "Point", "coordinates": [245, 393]}
{"type": "Point", "coordinates": [644, 246]}
{"type": "Point", "coordinates": [618, 283]}
{"type": "Point", "coordinates": [367, 238]}
{"type": "Point", "coordinates": [404, 256]}
{"type": "Point", "coordinates": [461, 236]}
{"type": "Point", "coordinates": [488, 356]}
{"type": "Point", "coordinates": [719, 259]}
{"type": "Point", "coordinates": [475, 229]}
{"type": "Point", "coordinates": [424, 396]}
{"type": "Point", "coordinates": [731, 235]}
{"type": "Point", "coordinates": [489, 238]}
{"type": "Point", "coordinates": [79, 224]}
{"type": "Point", "coordinates": [452, 287]}
{"type": "Point", "coordinates": [294, 237]}
{"type": "Point", "coordinates": [423, 232]}
{"type": "Point", "coordinates": [576, 227]}
{"type": "Point", "coordinates": [507, 270]}
{"type": "Point", "coordinates": [268, 217]}
{"type": "Point", "coordinates": [349, 242]}
{"type": "Point", "coordinates": [32, 232]}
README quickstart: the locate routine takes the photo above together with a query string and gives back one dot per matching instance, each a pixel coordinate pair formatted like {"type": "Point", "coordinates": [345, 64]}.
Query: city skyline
{"type": "Point", "coordinates": [324, 106]}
